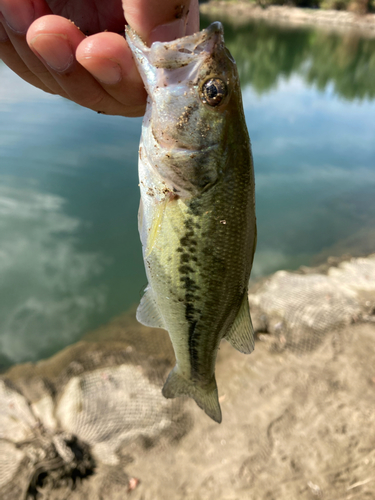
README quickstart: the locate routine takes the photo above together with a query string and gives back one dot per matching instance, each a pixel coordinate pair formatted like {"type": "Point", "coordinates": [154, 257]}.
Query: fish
{"type": "Point", "coordinates": [196, 218]}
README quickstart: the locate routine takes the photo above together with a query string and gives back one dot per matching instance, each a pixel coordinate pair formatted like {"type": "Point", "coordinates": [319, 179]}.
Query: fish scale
{"type": "Point", "coordinates": [197, 214]}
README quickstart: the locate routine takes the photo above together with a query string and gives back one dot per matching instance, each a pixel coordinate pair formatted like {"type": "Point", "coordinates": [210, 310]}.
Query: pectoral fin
{"type": "Point", "coordinates": [154, 230]}
{"type": "Point", "coordinates": [148, 313]}
{"type": "Point", "coordinates": [241, 334]}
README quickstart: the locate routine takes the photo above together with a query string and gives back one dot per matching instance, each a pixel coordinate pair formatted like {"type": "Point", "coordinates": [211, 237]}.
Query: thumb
{"type": "Point", "coordinates": [166, 20]}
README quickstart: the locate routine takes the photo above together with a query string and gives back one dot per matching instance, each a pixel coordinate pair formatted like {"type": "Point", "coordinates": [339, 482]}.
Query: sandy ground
{"type": "Point", "coordinates": [295, 427]}
{"type": "Point", "coordinates": [298, 413]}
{"type": "Point", "coordinates": [240, 12]}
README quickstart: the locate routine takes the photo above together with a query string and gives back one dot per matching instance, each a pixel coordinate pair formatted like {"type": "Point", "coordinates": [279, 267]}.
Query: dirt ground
{"type": "Point", "coordinates": [298, 417]}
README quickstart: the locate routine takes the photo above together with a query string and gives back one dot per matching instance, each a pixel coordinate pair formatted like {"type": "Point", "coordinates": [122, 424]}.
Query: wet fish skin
{"type": "Point", "coordinates": [197, 213]}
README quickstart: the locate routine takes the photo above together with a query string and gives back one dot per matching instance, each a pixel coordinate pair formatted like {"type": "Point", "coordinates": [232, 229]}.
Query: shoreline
{"type": "Point", "coordinates": [241, 12]}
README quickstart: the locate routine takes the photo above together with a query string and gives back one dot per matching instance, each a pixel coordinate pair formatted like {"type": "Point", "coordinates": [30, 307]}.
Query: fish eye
{"type": "Point", "coordinates": [214, 91]}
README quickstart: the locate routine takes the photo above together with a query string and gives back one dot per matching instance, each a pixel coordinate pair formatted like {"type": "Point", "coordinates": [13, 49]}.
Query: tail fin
{"type": "Point", "coordinates": [206, 396]}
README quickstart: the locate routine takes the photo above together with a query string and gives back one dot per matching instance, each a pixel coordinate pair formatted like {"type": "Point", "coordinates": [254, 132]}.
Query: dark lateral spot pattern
{"type": "Point", "coordinates": [186, 240]}
{"type": "Point", "coordinates": [185, 257]}
{"type": "Point", "coordinates": [185, 269]}
{"type": "Point", "coordinates": [187, 248]}
{"type": "Point", "coordinates": [194, 207]}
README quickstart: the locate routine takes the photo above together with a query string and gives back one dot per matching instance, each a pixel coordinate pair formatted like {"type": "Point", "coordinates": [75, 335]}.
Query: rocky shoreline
{"type": "Point", "coordinates": [298, 419]}
{"type": "Point", "coordinates": [240, 12]}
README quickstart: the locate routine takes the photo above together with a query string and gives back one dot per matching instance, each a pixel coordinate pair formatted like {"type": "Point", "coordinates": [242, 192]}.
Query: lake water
{"type": "Point", "coordinates": [70, 257]}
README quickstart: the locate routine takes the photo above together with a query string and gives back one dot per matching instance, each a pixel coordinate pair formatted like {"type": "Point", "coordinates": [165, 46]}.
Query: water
{"type": "Point", "coordinates": [70, 257]}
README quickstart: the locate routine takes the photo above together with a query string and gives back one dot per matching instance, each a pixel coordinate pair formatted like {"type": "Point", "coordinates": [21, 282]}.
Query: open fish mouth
{"type": "Point", "coordinates": [180, 52]}
{"type": "Point", "coordinates": [173, 73]}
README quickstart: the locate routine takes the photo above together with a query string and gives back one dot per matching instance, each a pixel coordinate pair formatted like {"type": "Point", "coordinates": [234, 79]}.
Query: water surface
{"type": "Point", "coordinates": [70, 257]}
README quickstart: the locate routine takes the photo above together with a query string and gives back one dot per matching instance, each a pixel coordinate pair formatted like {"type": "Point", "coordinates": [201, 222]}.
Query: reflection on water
{"type": "Point", "coordinates": [314, 172]}
{"type": "Point", "coordinates": [266, 53]}
{"type": "Point", "coordinates": [70, 255]}
{"type": "Point", "coordinates": [45, 279]}
{"type": "Point", "coordinates": [69, 246]}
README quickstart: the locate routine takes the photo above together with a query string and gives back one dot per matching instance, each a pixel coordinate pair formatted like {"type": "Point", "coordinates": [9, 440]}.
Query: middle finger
{"type": "Point", "coordinates": [55, 40]}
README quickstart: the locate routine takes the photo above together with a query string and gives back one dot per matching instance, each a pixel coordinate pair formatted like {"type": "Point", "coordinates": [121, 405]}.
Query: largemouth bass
{"type": "Point", "coordinates": [197, 213]}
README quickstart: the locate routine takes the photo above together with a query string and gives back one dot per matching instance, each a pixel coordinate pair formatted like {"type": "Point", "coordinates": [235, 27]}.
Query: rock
{"type": "Point", "coordinates": [301, 309]}
{"type": "Point", "coordinates": [112, 406]}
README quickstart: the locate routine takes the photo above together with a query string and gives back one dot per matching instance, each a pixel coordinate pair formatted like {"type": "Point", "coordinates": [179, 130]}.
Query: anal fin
{"type": "Point", "coordinates": [148, 313]}
{"type": "Point", "coordinates": [241, 334]}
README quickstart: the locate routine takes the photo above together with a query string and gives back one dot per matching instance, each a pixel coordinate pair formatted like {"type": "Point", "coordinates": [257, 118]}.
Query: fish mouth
{"type": "Point", "coordinates": [179, 52]}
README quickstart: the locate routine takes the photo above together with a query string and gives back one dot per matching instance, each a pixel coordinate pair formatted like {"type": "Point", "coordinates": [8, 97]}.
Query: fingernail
{"type": "Point", "coordinates": [18, 20]}
{"type": "Point", "coordinates": [3, 34]}
{"type": "Point", "coordinates": [168, 32]}
{"type": "Point", "coordinates": [104, 70]}
{"type": "Point", "coordinates": [55, 51]}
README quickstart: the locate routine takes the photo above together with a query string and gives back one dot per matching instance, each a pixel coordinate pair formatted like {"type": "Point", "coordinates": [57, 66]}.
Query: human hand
{"type": "Point", "coordinates": [76, 48]}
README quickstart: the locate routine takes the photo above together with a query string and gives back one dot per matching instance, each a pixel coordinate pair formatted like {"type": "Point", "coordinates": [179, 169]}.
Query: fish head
{"type": "Point", "coordinates": [193, 98]}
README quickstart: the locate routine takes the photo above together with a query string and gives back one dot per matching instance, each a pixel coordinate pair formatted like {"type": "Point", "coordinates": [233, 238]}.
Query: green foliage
{"type": "Point", "coordinates": [357, 6]}
{"type": "Point", "coordinates": [334, 4]}
{"type": "Point", "coordinates": [267, 53]}
{"type": "Point", "coordinates": [346, 62]}
{"type": "Point", "coordinates": [295, 3]}
{"type": "Point", "coordinates": [264, 53]}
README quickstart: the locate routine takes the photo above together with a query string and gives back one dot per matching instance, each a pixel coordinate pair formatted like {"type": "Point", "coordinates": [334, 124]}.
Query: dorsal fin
{"type": "Point", "coordinates": [148, 313]}
{"type": "Point", "coordinates": [241, 334]}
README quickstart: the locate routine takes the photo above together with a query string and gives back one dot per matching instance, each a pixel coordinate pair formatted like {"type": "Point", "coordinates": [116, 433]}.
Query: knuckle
{"type": "Point", "coordinates": [96, 101]}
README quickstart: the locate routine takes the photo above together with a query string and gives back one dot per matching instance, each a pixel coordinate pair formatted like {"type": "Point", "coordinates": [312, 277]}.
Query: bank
{"type": "Point", "coordinates": [241, 12]}
{"type": "Point", "coordinates": [298, 413]}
